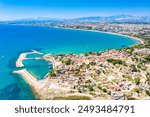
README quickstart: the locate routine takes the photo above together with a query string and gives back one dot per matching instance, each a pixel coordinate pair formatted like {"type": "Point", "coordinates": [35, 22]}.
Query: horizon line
{"type": "Point", "coordinates": [57, 18]}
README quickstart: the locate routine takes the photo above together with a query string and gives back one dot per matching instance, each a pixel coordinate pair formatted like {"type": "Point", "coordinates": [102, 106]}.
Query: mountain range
{"type": "Point", "coordinates": [96, 19]}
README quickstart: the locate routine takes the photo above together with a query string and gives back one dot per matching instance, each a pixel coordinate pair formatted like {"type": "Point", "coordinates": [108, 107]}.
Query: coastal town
{"type": "Point", "coordinates": [121, 74]}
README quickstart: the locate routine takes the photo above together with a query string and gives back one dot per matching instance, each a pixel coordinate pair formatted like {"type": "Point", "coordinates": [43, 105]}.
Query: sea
{"type": "Point", "coordinates": [16, 39]}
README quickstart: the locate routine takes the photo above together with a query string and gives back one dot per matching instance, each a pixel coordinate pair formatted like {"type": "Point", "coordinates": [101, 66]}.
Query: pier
{"type": "Point", "coordinates": [22, 57]}
{"type": "Point", "coordinates": [27, 76]}
{"type": "Point", "coordinates": [36, 58]}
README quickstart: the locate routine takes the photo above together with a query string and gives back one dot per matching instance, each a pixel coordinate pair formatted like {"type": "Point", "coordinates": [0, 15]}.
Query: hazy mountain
{"type": "Point", "coordinates": [96, 19]}
{"type": "Point", "coordinates": [117, 18]}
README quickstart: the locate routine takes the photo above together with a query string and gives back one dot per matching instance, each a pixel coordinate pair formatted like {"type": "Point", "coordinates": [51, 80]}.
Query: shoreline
{"type": "Point", "coordinates": [131, 37]}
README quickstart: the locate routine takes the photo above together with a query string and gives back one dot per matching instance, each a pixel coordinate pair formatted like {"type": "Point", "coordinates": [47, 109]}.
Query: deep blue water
{"type": "Point", "coordinates": [17, 39]}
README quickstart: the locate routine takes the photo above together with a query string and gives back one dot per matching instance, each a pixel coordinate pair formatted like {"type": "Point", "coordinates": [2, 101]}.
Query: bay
{"type": "Point", "coordinates": [17, 39]}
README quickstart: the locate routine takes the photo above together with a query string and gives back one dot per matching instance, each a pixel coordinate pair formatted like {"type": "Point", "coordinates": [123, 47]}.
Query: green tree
{"type": "Point", "coordinates": [137, 81]}
{"type": "Point", "coordinates": [52, 73]}
{"type": "Point", "coordinates": [90, 88]}
{"type": "Point", "coordinates": [147, 92]}
{"type": "Point", "coordinates": [67, 62]}
{"type": "Point", "coordinates": [114, 62]}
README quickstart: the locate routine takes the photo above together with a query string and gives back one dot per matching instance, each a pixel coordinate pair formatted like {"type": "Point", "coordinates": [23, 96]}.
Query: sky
{"type": "Point", "coordinates": [65, 9]}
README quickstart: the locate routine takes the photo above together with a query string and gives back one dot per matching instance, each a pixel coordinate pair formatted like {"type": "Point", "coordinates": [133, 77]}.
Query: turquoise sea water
{"type": "Point", "coordinates": [17, 39]}
{"type": "Point", "coordinates": [37, 68]}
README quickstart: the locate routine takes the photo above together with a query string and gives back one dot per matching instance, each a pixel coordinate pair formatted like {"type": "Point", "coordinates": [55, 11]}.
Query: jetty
{"type": "Point", "coordinates": [19, 62]}
{"type": "Point", "coordinates": [28, 77]}
{"type": "Point", "coordinates": [22, 57]}
{"type": "Point", "coordinates": [36, 58]}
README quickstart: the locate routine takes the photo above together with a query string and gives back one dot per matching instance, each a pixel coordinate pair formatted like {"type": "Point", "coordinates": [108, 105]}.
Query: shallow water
{"type": "Point", "coordinates": [37, 68]}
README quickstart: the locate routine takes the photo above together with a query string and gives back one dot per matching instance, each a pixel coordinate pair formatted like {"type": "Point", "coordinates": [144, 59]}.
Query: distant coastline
{"type": "Point", "coordinates": [134, 38]}
{"type": "Point", "coordinates": [112, 33]}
